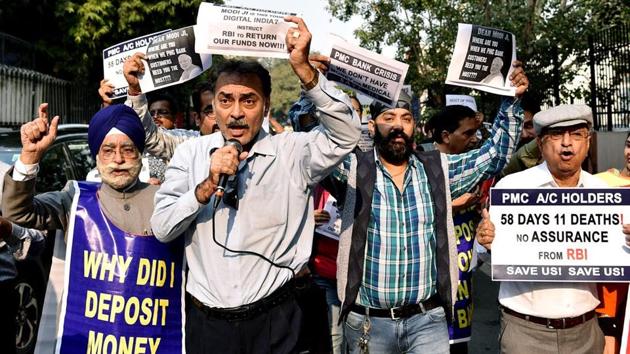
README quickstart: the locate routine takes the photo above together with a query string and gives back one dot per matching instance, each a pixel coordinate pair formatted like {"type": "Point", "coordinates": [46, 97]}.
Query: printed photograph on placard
{"type": "Point", "coordinates": [171, 60]}
{"type": "Point", "coordinates": [482, 59]}
{"type": "Point", "coordinates": [114, 57]}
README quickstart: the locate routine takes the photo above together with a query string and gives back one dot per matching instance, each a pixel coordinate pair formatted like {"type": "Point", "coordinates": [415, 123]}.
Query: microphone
{"type": "Point", "coordinates": [223, 178]}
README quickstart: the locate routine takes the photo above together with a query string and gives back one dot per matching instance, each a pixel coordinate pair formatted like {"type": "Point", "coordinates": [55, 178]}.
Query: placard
{"type": "Point", "coordinates": [482, 59]}
{"type": "Point", "coordinates": [461, 100]}
{"type": "Point", "coordinates": [332, 228]}
{"type": "Point", "coordinates": [171, 60]}
{"type": "Point", "coordinates": [242, 31]}
{"type": "Point", "coordinates": [370, 73]}
{"type": "Point", "coordinates": [560, 234]}
{"type": "Point", "coordinates": [114, 57]}
{"type": "Point", "coordinates": [122, 292]}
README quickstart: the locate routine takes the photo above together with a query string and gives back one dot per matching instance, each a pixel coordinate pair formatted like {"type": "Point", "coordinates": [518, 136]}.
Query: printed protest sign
{"type": "Point", "coordinates": [461, 100]}
{"type": "Point", "coordinates": [482, 59]}
{"type": "Point", "coordinates": [233, 30]}
{"type": "Point", "coordinates": [465, 223]}
{"type": "Point", "coordinates": [370, 73]}
{"type": "Point", "coordinates": [115, 56]}
{"type": "Point", "coordinates": [560, 234]}
{"type": "Point", "coordinates": [171, 60]}
{"type": "Point", "coordinates": [122, 292]}
{"type": "Point", "coordinates": [333, 227]}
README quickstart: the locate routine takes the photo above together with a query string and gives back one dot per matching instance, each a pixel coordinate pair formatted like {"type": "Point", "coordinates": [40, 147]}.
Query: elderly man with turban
{"type": "Point", "coordinates": [108, 224]}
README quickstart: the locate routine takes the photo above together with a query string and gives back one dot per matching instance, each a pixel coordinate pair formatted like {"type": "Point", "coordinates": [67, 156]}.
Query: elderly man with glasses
{"type": "Point", "coordinates": [544, 317]}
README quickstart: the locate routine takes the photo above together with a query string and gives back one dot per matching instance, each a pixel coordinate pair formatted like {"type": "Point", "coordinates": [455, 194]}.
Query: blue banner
{"type": "Point", "coordinates": [123, 293]}
{"type": "Point", "coordinates": [465, 223]}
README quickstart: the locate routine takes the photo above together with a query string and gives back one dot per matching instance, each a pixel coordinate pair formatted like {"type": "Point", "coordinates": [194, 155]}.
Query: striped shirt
{"type": "Point", "coordinates": [400, 265]}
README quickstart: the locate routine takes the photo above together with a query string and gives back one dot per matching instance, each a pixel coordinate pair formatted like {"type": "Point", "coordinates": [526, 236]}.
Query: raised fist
{"type": "Point", "coordinates": [37, 136]}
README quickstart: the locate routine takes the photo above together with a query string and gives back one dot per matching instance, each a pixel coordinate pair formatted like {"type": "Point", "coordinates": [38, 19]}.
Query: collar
{"type": "Point", "coordinates": [262, 146]}
{"type": "Point", "coordinates": [543, 173]}
{"type": "Point", "coordinates": [412, 160]}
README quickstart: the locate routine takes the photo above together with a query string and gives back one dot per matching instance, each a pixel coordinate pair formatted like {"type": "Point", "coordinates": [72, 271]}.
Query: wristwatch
{"type": "Point", "coordinates": [309, 85]}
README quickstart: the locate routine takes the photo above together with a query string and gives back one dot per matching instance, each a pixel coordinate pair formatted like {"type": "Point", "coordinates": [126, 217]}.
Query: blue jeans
{"type": "Point", "coordinates": [421, 333]}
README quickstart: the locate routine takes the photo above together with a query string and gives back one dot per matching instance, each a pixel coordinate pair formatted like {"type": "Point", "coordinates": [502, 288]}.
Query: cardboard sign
{"type": "Point", "coordinates": [233, 30]}
{"type": "Point", "coordinates": [122, 292]}
{"type": "Point", "coordinates": [333, 227]}
{"type": "Point", "coordinates": [461, 100]}
{"type": "Point", "coordinates": [560, 234]}
{"type": "Point", "coordinates": [465, 223]}
{"type": "Point", "coordinates": [482, 59]}
{"type": "Point", "coordinates": [370, 73]}
{"type": "Point", "coordinates": [171, 60]}
{"type": "Point", "coordinates": [114, 57]}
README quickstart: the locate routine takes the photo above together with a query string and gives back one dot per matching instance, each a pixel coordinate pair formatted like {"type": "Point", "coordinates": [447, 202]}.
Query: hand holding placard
{"type": "Point", "coordinates": [298, 46]}
{"type": "Point", "coordinates": [132, 69]}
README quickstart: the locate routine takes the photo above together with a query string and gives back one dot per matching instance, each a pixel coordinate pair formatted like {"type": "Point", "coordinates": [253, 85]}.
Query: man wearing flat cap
{"type": "Point", "coordinates": [397, 261]}
{"type": "Point", "coordinates": [542, 317]}
{"type": "Point", "coordinates": [108, 223]}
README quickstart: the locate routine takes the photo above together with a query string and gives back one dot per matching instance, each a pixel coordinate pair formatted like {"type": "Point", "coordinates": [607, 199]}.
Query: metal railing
{"type": "Point", "coordinates": [22, 90]}
{"type": "Point", "coordinates": [609, 56]}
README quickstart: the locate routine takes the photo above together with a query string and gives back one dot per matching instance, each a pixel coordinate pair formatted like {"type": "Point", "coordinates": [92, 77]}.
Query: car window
{"type": "Point", "coordinates": [81, 157]}
{"type": "Point", "coordinates": [9, 156]}
{"type": "Point", "coordinates": [53, 170]}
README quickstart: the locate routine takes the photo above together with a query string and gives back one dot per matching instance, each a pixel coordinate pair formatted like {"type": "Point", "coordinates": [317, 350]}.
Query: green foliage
{"type": "Point", "coordinates": [285, 86]}
{"type": "Point", "coordinates": [547, 32]}
{"type": "Point", "coordinates": [69, 35]}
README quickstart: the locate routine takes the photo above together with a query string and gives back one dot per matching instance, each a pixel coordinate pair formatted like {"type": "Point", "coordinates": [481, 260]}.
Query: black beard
{"type": "Point", "coordinates": [391, 151]}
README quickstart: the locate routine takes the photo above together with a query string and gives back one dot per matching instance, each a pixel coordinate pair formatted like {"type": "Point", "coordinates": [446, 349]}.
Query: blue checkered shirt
{"type": "Point", "coordinates": [400, 265]}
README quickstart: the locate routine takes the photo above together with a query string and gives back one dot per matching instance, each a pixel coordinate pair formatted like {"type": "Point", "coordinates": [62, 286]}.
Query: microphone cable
{"type": "Point", "coordinates": [251, 253]}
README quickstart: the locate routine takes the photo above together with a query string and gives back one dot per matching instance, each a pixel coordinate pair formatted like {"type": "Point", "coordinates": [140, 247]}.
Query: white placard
{"type": "Point", "coordinates": [233, 30]}
{"type": "Point", "coordinates": [114, 57]}
{"type": "Point", "coordinates": [333, 227]}
{"type": "Point", "coordinates": [171, 60]}
{"type": "Point", "coordinates": [370, 73]}
{"type": "Point", "coordinates": [560, 234]}
{"type": "Point", "coordinates": [482, 59]}
{"type": "Point", "coordinates": [461, 100]}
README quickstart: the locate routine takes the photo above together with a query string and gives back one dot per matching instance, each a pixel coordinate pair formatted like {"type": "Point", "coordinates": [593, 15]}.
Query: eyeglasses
{"type": "Point", "coordinates": [577, 135]}
{"type": "Point", "coordinates": [128, 152]}
{"type": "Point", "coordinates": [159, 113]}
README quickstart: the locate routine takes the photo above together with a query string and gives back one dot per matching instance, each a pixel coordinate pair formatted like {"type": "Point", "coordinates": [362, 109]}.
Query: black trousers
{"type": "Point", "coordinates": [8, 312]}
{"type": "Point", "coordinates": [274, 331]}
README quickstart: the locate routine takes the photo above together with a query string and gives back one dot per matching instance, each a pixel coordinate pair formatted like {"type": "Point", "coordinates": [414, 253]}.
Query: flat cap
{"type": "Point", "coordinates": [563, 115]}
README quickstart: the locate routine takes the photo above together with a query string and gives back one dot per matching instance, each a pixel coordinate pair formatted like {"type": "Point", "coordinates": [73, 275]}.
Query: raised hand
{"type": "Point", "coordinates": [106, 90]}
{"type": "Point", "coordinates": [132, 69]}
{"type": "Point", "coordinates": [519, 79]}
{"type": "Point", "coordinates": [37, 136]}
{"type": "Point", "coordinates": [298, 42]}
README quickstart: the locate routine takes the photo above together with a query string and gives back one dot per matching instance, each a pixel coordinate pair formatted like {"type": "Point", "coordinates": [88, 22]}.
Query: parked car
{"type": "Point", "coordinates": [68, 158]}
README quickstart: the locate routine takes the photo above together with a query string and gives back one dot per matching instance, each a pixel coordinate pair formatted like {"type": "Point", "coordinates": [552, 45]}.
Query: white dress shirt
{"type": "Point", "coordinates": [547, 299]}
{"type": "Point", "coordinates": [275, 214]}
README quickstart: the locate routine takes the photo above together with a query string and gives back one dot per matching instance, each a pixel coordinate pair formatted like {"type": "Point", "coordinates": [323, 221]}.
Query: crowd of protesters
{"type": "Point", "coordinates": [299, 241]}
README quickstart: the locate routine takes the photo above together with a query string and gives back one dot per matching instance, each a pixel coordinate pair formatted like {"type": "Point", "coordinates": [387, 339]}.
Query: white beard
{"type": "Point", "coordinates": [122, 181]}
